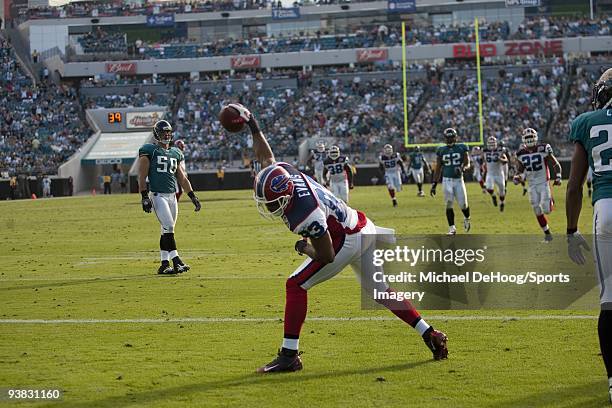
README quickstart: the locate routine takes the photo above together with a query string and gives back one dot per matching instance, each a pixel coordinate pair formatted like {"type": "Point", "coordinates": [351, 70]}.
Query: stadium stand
{"type": "Point", "coordinates": [379, 35]}
{"type": "Point", "coordinates": [40, 125]}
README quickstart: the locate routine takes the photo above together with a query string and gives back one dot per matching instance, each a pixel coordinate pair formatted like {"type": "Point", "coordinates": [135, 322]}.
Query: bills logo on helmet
{"type": "Point", "coordinates": [279, 183]}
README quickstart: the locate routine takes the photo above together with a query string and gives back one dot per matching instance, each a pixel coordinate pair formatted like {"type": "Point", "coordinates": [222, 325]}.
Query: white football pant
{"type": "Point", "coordinates": [394, 181]}
{"type": "Point", "coordinates": [340, 189]}
{"type": "Point", "coordinates": [454, 190]}
{"type": "Point", "coordinates": [417, 175]}
{"type": "Point", "coordinates": [166, 210]}
{"type": "Point", "coordinates": [602, 247]}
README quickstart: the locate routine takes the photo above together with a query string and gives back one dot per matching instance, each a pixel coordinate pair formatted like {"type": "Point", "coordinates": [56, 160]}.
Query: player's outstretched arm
{"type": "Point", "coordinates": [466, 161]}
{"type": "Point", "coordinates": [436, 177]}
{"type": "Point", "coordinates": [143, 171]}
{"type": "Point", "coordinates": [262, 149]}
{"type": "Point", "coordinates": [181, 177]}
{"type": "Point", "coordinates": [573, 204]}
{"type": "Point", "coordinates": [578, 171]}
{"type": "Point", "coordinates": [554, 163]}
{"type": "Point", "coordinates": [349, 174]}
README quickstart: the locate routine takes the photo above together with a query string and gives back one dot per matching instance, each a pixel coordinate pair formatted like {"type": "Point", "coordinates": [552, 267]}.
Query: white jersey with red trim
{"type": "Point", "coordinates": [492, 159]}
{"type": "Point", "coordinates": [392, 164]}
{"type": "Point", "coordinates": [336, 169]}
{"type": "Point", "coordinates": [313, 210]}
{"type": "Point", "coordinates": [534, 162]}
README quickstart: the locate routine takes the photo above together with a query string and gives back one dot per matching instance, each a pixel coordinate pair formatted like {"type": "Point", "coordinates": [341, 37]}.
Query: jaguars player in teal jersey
{"type": "Point", "coordinates": [417, 166]}
{"type": "Point", "coordinates": [453, 160]}
{"type": "Point", "coordinates": [161, 164]}
{"type": "Point", "coordinates": [592, 136]}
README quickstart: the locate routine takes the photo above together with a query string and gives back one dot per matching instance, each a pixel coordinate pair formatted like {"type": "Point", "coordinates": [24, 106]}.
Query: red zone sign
{"type": "Point", "coordinates": [121, 67]}
{"type": "Point", "coordinates": [246, 61]}
{"type": "Point", "coordinates": [372, 55]}
{"type": "Point", "coordinates": [553, 47]}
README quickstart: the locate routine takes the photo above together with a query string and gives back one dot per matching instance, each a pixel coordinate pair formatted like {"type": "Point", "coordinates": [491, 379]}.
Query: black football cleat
{"type": "Point", "coordinates": [436, 341]}
{"type": "Point", "coordinates": [180, 268]}
{"type": "Point", "coordinates": [494, 198]}
{"type": "Point", "coordinates": [165, 269]}
{"type": "Point", "coordinates": [501, 207]}
{"type": "Point", "coordinates": [283, 363]}
{"type": "Point", "coordinates": [395, 203]}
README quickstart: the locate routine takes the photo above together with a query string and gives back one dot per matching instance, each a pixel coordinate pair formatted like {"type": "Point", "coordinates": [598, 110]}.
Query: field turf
{"type": "Point", "coordinates": [82, 310]}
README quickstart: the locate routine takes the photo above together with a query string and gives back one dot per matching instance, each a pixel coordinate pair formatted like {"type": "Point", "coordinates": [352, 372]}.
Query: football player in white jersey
{"type": "Point", "coordinates": [494, 159]}
{"type": "Point", "coordinates": [476, 157]}
{"type": "Point", "coordinates": [317, 157]}
{"type": "Point", "coordinates": [333, 236]}
{"type": "Point", "coordinates": [338, 174]}
{"type": "Point", "coordinates": [392, 165]}
{"type": "Point", "coordinates": [533, 162]}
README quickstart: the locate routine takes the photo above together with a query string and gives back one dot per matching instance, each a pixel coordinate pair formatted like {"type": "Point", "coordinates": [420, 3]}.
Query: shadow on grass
{"type": "Point", "coordinates": [593, 394]}
{"type": "Point", "coordinates": [158, 395]}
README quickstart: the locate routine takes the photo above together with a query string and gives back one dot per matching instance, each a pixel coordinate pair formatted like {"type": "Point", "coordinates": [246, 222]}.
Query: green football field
{"type": "Point", "coordinates": [83, 311]}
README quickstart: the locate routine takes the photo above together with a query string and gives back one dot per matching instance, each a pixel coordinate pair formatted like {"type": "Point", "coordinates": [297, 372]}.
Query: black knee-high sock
{"type": "Point", "coordinates": [604, 328]}
{"type": "Point", "coordinates": [450, 216]}
{"type": "Point", "coordinates": [466, 212]}
{"type": "Point", "coordinates": [170, 242]}
{"type": "Point", "coordinates": [420, 186]}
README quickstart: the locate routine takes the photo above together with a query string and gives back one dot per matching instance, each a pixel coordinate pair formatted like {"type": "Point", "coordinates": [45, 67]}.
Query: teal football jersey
{"type": "Point", "coordinates": [452, 159]}
{"type": "Point", "coordinates": [162, 169]}
{"type": "Point", "coordinates": [416, 160]}
{"type": "Point", "coordinates": [593, 130]}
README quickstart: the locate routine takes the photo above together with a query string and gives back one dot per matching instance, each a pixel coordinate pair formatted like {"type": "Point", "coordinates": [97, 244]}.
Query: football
{"type": "Point", "coordinates": [231, 120]}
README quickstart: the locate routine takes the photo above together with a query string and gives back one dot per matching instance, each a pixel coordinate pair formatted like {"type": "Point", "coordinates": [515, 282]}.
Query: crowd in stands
{"type": "Point", "coordinates": [379, 35]}
{"type": "Point", "coordinates": [130, 100]}
{"type": "Point", "coordinates": [512, 101]}
{"type": "Point", "coordinates": [40, 124]}
{"type": "Point", "coordinates": [101, 41]}
{"type": "Point", "coordinates": [119, 8]}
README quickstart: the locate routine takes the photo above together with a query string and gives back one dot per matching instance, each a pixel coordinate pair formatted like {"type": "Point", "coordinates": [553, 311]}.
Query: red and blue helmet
{"type": "Point", "coordinates": [273, 191]}
{"type": "Point", "coordinates": [179, 144]}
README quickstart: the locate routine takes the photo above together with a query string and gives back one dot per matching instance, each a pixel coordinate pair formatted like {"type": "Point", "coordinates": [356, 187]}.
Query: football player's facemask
{"type": "Point", "coordinates": [530, 137]}
{"type": "Point", "coordinates": [334, 152]}
{"type": "Point", "coordinates": [320, 147]}
{"type": "Point", "coordinates": [162, 131]}
{"type": "Point", "coordinates": [388, 149]}
{"type": "Point", "coordinates": [450, 136]}
{"type": "Point", "coordinates": [602, 91]}
{"type": "Point", "coordinates": [180, 145]}
{"type": "Point", "coordinates": [417, 149]}
{"type": "Point", "coordinates": [273, 191]}
{"type": "Point", "coordinates": [492, 143]}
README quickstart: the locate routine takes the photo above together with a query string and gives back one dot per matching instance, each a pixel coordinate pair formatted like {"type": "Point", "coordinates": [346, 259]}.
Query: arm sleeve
{"type": "Point", "coordinates": [576, 131]}
{"type": "Point", "coordinates": [314, 226]}
{"type": "Point", "coordinates": [145, 150]}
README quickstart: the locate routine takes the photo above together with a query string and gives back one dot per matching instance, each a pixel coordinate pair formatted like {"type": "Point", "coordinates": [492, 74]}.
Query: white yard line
{"type": "Point", "coordinates": [273, 319]}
